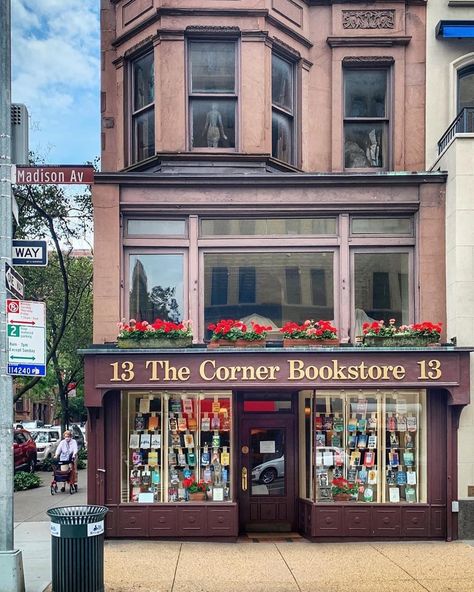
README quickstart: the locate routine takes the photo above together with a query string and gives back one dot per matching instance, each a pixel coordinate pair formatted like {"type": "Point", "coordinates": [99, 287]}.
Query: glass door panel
{"type": "Point", "coordinates": [267, 461]}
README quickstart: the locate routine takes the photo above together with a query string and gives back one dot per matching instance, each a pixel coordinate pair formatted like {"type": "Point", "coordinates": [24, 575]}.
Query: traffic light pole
{"type": "Point", "coordinates": [11, 565]}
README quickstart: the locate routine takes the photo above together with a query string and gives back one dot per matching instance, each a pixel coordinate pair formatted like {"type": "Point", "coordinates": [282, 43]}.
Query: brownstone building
{"type": "Point", "coordinates": [264, 160]}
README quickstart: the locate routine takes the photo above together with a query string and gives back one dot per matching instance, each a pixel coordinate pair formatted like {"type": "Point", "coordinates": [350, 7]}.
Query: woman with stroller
{"type": "Point", "coordinates": [67, 453]}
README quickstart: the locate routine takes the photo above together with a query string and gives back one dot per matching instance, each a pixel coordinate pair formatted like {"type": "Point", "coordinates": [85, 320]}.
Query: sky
{"type": "Point", "coordinates": [55, 73]}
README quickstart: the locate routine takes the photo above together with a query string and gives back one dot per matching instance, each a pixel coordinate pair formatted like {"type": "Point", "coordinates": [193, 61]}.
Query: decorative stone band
{"type": "Point", "coordinates": [368, 19]}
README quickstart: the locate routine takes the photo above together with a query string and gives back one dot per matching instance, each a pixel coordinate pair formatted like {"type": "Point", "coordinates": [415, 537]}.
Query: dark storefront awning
{"type": "Point", "coordinates": [455, 29]}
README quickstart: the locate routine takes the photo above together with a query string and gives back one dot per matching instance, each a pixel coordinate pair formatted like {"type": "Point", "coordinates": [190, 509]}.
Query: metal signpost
{"type": "Point", "coordinates": [11, 563]}
{"type": "Point", "coordinates": [26, 334]}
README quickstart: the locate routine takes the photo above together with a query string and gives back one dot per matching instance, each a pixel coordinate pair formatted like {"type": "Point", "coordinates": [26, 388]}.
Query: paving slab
{"type": "Point", "coordinates": [456, 585]}
{"type": "Point", "coordinates": [33, 539]}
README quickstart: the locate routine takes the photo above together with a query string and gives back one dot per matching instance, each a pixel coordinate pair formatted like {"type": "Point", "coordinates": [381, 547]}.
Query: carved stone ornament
{"type": "Point", "coordinates": [212, 29]}
{"type": "Point", "coordinates": [368, 19]}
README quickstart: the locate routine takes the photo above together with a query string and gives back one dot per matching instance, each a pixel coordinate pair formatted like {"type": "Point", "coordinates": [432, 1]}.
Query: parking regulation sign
{"type": "Point", "coordinates": [26, 337]}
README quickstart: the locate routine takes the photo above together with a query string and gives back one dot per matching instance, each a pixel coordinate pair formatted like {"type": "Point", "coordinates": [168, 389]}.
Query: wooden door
{"type": "Point", "coordinates": [267, 473]}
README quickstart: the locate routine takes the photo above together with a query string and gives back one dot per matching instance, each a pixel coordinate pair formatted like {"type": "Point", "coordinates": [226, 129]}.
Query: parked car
{"type": "Point", "coordinates": [24, 451]}
{"type": "Point", "coordinates": [270, 470]}
{"type": "Point", "coordinates": [46, 441]}
{"type": "Point", "coordinates": [77, 435]}
{"type": "Point", "coordinates": [32, 425]}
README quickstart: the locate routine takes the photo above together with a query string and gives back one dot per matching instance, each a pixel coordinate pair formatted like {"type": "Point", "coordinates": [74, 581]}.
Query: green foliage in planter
{"type": "Point", "coordinates": [23, 481]}
{"type": "Point", "coordinates": [47, 464]}
{"type": "Point", "coordinates": [81, 464]}
{"type": "Point", "coordinates": [82, 454]}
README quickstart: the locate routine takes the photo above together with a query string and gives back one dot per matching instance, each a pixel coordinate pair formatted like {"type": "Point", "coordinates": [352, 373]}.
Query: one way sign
{"type": "Point", "coordinates": [29, 252]}
{"type": "Point", "coordinates": [15, 283]}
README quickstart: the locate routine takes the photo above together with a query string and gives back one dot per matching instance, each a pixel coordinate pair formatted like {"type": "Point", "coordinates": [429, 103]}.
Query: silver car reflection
{"type": "Point", "coordinates": [268, 471]}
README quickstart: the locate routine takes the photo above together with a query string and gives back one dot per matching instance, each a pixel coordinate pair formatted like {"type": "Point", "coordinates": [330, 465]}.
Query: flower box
{"type": "Point", "coordinates": [154, 343]}
{"type": "Point", "coordinates": [287, 342]}
{"type": "Point", "coordinates": [216, 343]}
{"type": "Point", "coordinates": [197, 496]}
{"type": "Point", "coordinates": [402, 341]}
{"type": "Point", "coordinates": [342, 497]}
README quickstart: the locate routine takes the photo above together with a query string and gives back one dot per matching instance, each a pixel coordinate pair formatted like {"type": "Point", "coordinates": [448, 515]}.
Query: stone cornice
{"type": "Point", "coordinates": [368, 41]}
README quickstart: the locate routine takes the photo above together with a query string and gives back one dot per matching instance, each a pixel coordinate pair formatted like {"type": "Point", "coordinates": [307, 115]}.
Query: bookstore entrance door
{"type": "Point", "coordinates": [267, 473]}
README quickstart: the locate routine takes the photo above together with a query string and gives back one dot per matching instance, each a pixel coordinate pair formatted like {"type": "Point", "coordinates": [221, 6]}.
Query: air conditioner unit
{"type": "Point", "coordinates": [19, 134]}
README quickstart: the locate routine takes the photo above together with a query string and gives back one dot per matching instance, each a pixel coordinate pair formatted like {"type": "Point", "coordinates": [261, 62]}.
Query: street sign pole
{"type": "Point", "coordinates": [11, 564]}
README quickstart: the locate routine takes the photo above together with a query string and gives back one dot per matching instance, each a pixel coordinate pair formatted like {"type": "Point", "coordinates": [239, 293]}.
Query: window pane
{"type": "Point", "coordinates": [318, 287]}
{"type": "Point", "coordinates": [143, 82]}
{"type": "Point", "coordinates": [282, 137]}
{"type": "Point", "coordinates": [293, 285]}
{"type": "Point", "coordinates": [267, 468]}
{"type": "Point", "coordinates": [219, 285]}
{"type": "Point", "coordinates": [282, 83]}
{"type": "Point", "coordinates": [382, 226]}
{"type": "Point", "coordinates": [212, 67]}
{"type": "Point", "coordinates": [365, 93]}
{"type": "Point", "coordinates": [466, 88]}
{"type": "Point", "coordinates": [144, 135]}
{"type": "Point", "coordinates": [213, 123]}
{"type": "Point", "coordinates": [268, 226]}
{"type": "Point", "coordinates": [156, 227]}
{"type": "Point", "coordinates": [156, 287]}
{"type": "Point", "coordinates": [365, 145]}
{"type": "Point", "coordinates": [257, 287]}
{"type": "Point", "coordinates": [381, 288]}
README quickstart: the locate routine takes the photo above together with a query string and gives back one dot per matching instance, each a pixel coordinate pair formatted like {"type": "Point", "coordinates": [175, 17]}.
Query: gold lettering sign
{"type": "Point", "coordinates": [210, 370]}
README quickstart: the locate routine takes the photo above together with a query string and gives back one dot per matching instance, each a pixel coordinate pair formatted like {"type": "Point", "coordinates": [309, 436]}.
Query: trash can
{"type": "Point", "coordinates": [77, 548]}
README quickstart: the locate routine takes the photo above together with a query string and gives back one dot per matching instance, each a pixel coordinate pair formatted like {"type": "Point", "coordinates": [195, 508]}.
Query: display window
{"type": "Point", "coordinates": [368, 445]}
{"type": "Point", "coordinates": [176, 447]}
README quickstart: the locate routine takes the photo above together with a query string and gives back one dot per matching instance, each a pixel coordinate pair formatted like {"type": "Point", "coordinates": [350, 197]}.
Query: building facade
{"type": "Point", "coordinates": [450, 147]}
{"type": "Point", "coordinates": [264, 161]}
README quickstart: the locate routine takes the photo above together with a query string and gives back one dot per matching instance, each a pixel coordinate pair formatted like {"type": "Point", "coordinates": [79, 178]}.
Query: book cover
{"type": "Point", "coordinates": [355, 458]}
{"type": "Point", "coordinates": [393, 441]}
{"type": "Point", "coordinates": [411, 423]}
{"type": "Point", "coordinates": [318, 422]}
{"type": "Point", "coordinates": [402, 423]}
{"type": "Point", "coordinates": [372, 477]}
{"type": "Point", "coordinates": [336, 441]}
{"type": "Point", "coordinates": [372, 442]}
{"type": "Point", "coordinates": [369, 458]}
{"type": "Point", "coordinates": [136, 457]}
{"type": "Point", "coordinates": [338, 424]}
{"type": "Point", "coordinates": [144, 406]}
{"type": "Point", "coordinates": [401, 478]}
{"type": "Point", "coordinates": [368, 494]}
{"type": "Point", "coordinates": [205, 458]}
{"type": "Point", "coordinates": [140, 422]}
{"type": "Point", "coordinates": [393, 459]}
{"type": "Point", "coordinates": [408, 458]}
{"type": "Point", "coordinates": [352, 475]}
{"type": "Point", "coordinates": [394, 494]}
{"type": "Point", "coordinates": [215, 422]}
{"type": "Point", "coordinates": [175, 405]}
{"type": "Point", "coordinates": [206, 424]}
{"type": "Point", "coordinates": [216, 440]}
{"type": "Point", "coordinates": [188, 440]}
{"type": "Point", "coordinates": [182, 424]}
{"type": "Point", "coordinates": [361, 424]}
{"type": "Point", "coordinates": [362, 441]}
{"type": "Point", "coordinates": [409, 440]}
{"type": "Point", "coordinates": [191, 459]}
{"type": "Point", "coordinates": [320, 439]}
{"type": "Point", "coordinates": [192, 423]}
{"type": "Point", "coordinates": [410, 494]}
{"type": "Point", "coordinates": [372, 423]}
{"type": "Point", "coordinates": [391, 423]}
{"type": "Point", "coordinates": [181, 458]}
{"type": "Point", "coordinates": [411, 477]}
{"type": "Point", "coordinates": [153, 422]}
{"type": "Point", "coordinates": [187, 406]}
{"type": "Point", "coordinates": [338, 458]}
{"type": "Point", "coordinates": [352, 441]}
{"type": "Point", "coordinates": [391, 477]}
{"type": "Point", "coordinates": [352, 425]}
{"type": "Point", "coordinates": [328, 458]}
{"type": "Point", "coordinates": [145, 441]}
{"type": "Point", "coordinates": [319, 458]}
{"type": "Point", "coordinates": [134, 441]}
{"type": "Point", "coordinates": [323, 478]}
{"type": "Point", "coordinates": [225, 458]}
{"type": "Point", "coordinates": [327, 423]}
{"type": "Point", "coordinates": [153, 458]}
{"type": "Point", "coordinates": [216, 407]}
{"type": "Point", "coordinates": [363, 475]}
{"type": "Point", "coordinates": [171, 458]}
{"type": "Point", "coordinates": [173, 424]}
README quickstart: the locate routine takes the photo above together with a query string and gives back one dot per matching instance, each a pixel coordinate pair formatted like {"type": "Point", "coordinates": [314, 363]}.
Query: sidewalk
{"type": "Point", "coordinates": [289, 567]}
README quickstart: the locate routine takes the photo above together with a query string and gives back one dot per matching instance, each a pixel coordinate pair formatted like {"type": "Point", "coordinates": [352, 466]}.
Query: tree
{"type": "Point", "coordinates": [61, 217]}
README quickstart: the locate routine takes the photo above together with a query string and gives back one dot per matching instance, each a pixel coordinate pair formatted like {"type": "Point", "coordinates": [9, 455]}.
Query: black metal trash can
{"type": "Point", "coordinates": [77, 548]}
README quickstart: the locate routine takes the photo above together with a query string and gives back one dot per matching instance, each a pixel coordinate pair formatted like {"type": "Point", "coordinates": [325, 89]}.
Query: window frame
{"type": "Point", "coordinates": [218, 96]}
{"type": "Point", "coordinates": [128, 251]}
{"type": "Point", "coordinates": [285, 113]}
{"type": "Point", "coordinates": [133, 114]}
{"type": "Point", "coordinates": [467, 70]}
{"type": "Point", "coordinates": [384, 121]}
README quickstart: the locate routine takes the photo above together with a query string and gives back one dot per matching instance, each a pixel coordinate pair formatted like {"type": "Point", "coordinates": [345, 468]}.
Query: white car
{"type": "Point", "coordinates": [46, 440]}
{"type": "Point", "coordinates": [268, 471]}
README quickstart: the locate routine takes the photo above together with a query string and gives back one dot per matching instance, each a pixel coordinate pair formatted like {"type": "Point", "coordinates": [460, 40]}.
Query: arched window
{"type": "Point", "coordinates": [465, 88]}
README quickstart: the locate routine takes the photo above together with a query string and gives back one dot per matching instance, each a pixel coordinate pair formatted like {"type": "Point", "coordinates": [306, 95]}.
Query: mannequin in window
{"type": "Point", "coordinates": [213, 128]}
{"type": "Point", "coordinates": [373, 150]}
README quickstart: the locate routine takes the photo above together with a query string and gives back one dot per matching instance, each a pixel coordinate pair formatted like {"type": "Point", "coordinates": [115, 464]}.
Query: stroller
{"type": "Point", "coordinates": [64, 477]}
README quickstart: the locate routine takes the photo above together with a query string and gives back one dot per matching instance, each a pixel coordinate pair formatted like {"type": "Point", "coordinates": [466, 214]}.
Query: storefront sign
{"type": "Point", "coordinates": [424, 370]}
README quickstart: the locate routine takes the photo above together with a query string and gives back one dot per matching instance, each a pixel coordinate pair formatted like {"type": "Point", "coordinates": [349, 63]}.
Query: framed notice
{"type": "Point", "coordinates": [267, 446]}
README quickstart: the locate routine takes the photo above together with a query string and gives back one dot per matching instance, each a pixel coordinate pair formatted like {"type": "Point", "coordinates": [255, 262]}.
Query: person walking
{"type": "Point", "coordinates": [67, 453]}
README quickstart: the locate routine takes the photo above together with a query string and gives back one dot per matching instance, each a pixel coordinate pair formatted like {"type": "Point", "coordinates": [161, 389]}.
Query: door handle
{"type": "Point", "coordinates": [101, 470]}
{"type": "Point", "coordinates": [244, 478]}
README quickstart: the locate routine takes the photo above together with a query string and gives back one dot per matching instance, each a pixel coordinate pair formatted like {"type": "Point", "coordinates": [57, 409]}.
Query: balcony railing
{"type": "Point", "coordinates": [464, 123]}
